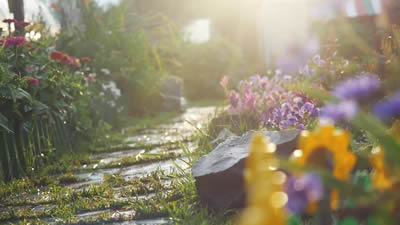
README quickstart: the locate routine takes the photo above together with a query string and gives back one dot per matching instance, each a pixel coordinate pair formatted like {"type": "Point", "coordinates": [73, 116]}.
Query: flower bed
{"type": "Point", "coordinates": [347, 155]}
{"type": "Point", "coordinates": [45, 100]}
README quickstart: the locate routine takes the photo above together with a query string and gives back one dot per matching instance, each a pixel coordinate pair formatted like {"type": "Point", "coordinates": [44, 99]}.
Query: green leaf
{"type": "Point", "coordinates": [372, 221]}
{"type": "Point", "coordinates": [27, 108]}
{"type": "Point", "coordinates": [21, 94]}
{"type": "Point", "coordinates": [362, 178]}
{"type": "Point", "coordinates": [40, 108]}
{"type": "Point", "coordinates": [349, 221]}
{"type": "Point", "coordinates": [15, 93]}
{"type": "Point", "coordinates": [12, 93]}
{"type": "Point", "coordinates": [294, 220]}
{"type": "Point", "coordinates": [4, 123]}
{"type": "Point", "coordinates": [65, 94]}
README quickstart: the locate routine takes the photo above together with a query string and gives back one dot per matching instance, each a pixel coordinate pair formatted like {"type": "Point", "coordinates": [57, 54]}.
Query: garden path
{"type": "Point", "coordinates": [128, 185]}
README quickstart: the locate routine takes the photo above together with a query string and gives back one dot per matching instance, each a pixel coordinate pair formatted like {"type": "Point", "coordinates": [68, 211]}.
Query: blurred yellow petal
{"type": "Point", "coordinates": [265, 199]}
{"type": "Point", "coordinates": [312, 207]}
{"type": "Point", "coordinates": [379, 177]}
{"type": "Point", "coordinates": [335, 200]}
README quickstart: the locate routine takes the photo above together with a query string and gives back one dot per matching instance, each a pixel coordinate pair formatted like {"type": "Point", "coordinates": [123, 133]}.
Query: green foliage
{"type": "Point", "coordinates": [349, 221]}
{"type": "Point", "coordinates": [41, 101]}
{"type": "Point", "coordinates": [204, 64]}
{"type": "Point", "coordinates": [123, 47]}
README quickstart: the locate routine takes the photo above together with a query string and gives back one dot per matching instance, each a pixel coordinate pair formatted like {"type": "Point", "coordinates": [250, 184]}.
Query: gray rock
{"type": "Point", "coordinates": [172, 94]}
{"type": "Point", "coordinates": [219, 175]}
{"type": "Point", "coordinates": [222, 136]}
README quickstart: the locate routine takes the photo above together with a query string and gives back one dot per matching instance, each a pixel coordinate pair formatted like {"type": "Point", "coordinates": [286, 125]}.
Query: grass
{"type": "Point", "coordinates": [158, 194]}
{"type": "Point", "coordinates": [174, 196]}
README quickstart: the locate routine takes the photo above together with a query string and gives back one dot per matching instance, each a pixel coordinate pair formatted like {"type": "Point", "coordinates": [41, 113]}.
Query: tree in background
{"type": "Point", "coordinates": [16, 7]}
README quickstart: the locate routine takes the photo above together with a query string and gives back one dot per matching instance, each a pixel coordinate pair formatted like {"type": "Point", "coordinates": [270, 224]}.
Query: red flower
{"type": "Point", "coordinates": [31, 47]}
{"type": "Point", "coordinates": [65, 59]}
{"type": "Point", "coordinates": [86, 59]}
{"type": "Point", "coordinates": [32, 81]}
{"type": "Point", "coordinates": [9, 21]}
{"type": "Point", "coordinates": [21, 24]}
{"type": "Point", "coordinates": [30, 68]}
{"type": "Point", "coordinates": [71, 61]}
{"type": "Point", "coordinates": [14, 41]}
{"type": "Point", "coordinates": [57, 55]}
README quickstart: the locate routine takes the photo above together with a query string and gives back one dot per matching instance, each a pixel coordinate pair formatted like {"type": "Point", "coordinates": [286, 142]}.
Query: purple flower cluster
{"type": "Point", "coordinates": [389, 108]}
{"type": "Point", "coordinates": [351, 92]}
{"type": "Point", "coordinates": [302, 191]}
{"type": "Point", "coordinates": [292, 111]}
{"type": "Point", "coordinates": [270, 103]}
{"type": "Point", "coordinates": [342, 111]}
{"type": "Point", "coordinates": [358, 88]}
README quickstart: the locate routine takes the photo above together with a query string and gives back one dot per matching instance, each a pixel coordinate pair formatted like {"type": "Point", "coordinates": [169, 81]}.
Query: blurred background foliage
{"type": "Point", "coordinates": [141, 41]}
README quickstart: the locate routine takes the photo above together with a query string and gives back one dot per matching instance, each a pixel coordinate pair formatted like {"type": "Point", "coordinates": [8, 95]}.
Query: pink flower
{"type": "Point", "coordinates": [32, 81]}
{"type": "Point", "coordinates": [224, 82]}
{"type": "Point", "coordinates": [9, 20]}
{"type": "Point", "coordinates": [14, 41]}
{"type": "Point", "coordinates": [21, 24]}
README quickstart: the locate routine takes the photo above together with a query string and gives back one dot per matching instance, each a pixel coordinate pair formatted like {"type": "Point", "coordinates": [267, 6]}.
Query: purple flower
{"type": "Point", "coordinates": [270, 103]}
{"type": "Point", "coordinates": [358, 88]}
{"type": "Point", "coordinates": [343, 111]}
{"type": "Point", "coordinates": [303, 190]}
{"type": "Point", "coordinates": [255, 79]}
{"type": "Point", "coordinates": [306, 71]}
{"type": "Point", "coordinates": [284, 124]}
{"type": "Point", "coordinates": [308, 107]}
{"type": "Point", "coordinates": [318, 60]}
{"type": "Point", "coordinates": [388, 108]}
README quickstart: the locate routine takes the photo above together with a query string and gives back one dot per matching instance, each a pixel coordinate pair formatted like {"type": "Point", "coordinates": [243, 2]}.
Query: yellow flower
{"type": "Point", "coordinates": [323, 141]}
{"type": "Point", "coordinates": [327, 147]}
{"type": "Point", "coordinates": [264, 185]}
{"type": "Point", "coordinates": [379, 175]}
{"type": "Point", "coordinates": [379, 178]}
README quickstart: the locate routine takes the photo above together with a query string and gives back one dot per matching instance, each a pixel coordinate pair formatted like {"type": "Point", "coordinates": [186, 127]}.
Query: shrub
{"type": "Point", "coordinates": [40, 91]}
